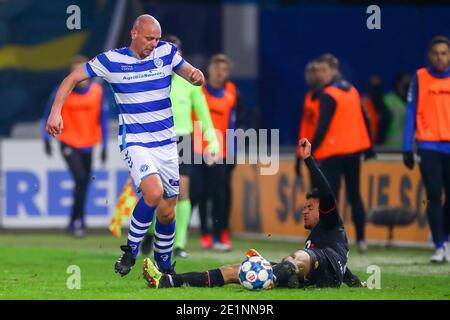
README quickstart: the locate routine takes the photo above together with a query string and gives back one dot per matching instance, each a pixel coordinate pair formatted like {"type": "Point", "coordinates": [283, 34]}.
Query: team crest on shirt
{"type": "Point", "coordinates": [144, 168]}
{"type": "Point", "coordinates": [174, 183]}
{"type": "Point", "coordinates": [158, 62]}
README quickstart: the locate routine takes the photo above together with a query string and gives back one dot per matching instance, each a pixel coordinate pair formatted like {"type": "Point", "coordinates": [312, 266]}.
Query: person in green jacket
{"type": "Point", "coordinates": [396, 104]}
{"type": "Point", "coordinates": [186, 99]}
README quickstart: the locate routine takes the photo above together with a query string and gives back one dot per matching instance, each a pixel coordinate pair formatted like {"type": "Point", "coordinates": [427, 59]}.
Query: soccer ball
{"type": "Point", "coordinates": [256, 273]}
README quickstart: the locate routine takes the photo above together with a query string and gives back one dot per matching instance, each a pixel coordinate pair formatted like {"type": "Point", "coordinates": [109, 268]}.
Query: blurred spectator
{"type": "Point", "coordinates": [310, 110]}
{"type": "Point", "coordinates": [396, 104]}
{"type": "Point", "coordinates": [85, 125]}
{"type": "Point", "coordinates": [211, 182]}
{"type": "Point", "coordinates": [342, 135]}
{"type": "Point", "coordinates": [377, 111]}
{"type": "Point", "coordinates": [427, 122]}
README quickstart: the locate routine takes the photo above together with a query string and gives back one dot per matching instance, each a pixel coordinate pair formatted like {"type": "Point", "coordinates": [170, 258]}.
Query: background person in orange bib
{"type": "Point", "coordinates": [310, 112]}
{"type": "Point", "coordinates": [342, 135]}
{"type": "Point", "coordinates": [212, 182]}
{"type": "Point", "coordinates": [428, 121]}
{"type": "Point", "coordinates": [85, 116]}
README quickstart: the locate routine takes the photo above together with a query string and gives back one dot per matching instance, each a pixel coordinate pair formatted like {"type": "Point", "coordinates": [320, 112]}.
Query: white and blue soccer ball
{"type": "Point", "coordinates": [256, 273]}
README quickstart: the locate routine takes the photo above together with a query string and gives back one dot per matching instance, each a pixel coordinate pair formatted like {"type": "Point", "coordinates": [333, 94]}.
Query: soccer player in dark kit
{"type": "Point", "coordinates": [322, 262]}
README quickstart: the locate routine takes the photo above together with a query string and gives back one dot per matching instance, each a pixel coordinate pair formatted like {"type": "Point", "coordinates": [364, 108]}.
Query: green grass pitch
{"type": "Point", "coordinates": [34, 266]}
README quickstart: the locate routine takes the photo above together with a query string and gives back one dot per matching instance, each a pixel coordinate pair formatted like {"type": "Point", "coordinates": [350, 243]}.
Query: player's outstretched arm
{"type": "Point", "coordinates": [191, 74]}
{"type": "Point", "coordinates": [55, 123]}
{"type": "Point", "coordinates": [323, 186]}
{"type": "Point", "coordinates": [327, 199]}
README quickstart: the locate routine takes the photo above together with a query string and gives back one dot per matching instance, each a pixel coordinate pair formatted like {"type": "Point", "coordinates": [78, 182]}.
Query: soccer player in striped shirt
{"type": "Point", "coordinates": [140, 76]}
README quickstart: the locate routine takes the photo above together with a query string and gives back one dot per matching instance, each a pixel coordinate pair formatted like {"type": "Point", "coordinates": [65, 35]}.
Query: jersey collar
{"type": "Point", "coordinates": [439, 74]}
{"type": "Point", "coordinates": [216, 92]}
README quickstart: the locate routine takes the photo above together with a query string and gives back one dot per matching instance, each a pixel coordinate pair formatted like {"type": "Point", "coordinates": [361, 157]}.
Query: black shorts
{"type": "Point", "coordinates": [323, 271]}
{"type": "Point", "coordinates": [185, 169]}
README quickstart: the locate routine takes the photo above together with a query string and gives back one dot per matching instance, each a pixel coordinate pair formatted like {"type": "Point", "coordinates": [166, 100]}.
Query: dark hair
{"type": "Point", "coordinates": [313, 194]}
{"type": "Point", "coordinates": [438, 40]}
{"type": "Point", "coordinates": [329, 59]}
{"type": "Point", "coordinates": [174, 40]}
{"type": "Point", "coordinates": [220, 57]}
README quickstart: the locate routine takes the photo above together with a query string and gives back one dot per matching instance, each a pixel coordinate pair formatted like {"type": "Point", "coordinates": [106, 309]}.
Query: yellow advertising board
{"type": "Point", "coordinates": [272, 204]}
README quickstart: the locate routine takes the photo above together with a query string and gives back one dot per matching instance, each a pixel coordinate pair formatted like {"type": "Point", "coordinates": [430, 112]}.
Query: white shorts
{"type": "Point", "coordinates": [163, 161]}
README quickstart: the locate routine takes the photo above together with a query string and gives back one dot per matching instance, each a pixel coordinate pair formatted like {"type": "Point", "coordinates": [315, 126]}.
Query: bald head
{"type": "Point", "coordinates": [145, 20]}
{"type": "Point", "coordinates": [145, 35]}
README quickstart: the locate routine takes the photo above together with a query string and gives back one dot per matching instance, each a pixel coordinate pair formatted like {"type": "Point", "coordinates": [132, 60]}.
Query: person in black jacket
{"type": "Point", "coordinates": [339, 151]}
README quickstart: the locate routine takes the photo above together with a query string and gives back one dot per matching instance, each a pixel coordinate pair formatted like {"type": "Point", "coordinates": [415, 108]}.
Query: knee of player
{"type": "Point", "coordinates": [153, 197]}
{"type": "Point", "coordinates": [166, 215]}
{"type": "Point", "coordinates": [303, 267]}
{"type": "Point", "coordinates": [300, 260]}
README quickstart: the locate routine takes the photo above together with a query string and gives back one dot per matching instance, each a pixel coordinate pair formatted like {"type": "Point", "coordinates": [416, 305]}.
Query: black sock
{"type": "Point", "coordinates": [283, 272]}
{"type": "Point", "coordinates": [211, 278]}
{"type": "Point", "coordinates": [215, 278]}
{"type": "Point", "coordinates": [192, 279]}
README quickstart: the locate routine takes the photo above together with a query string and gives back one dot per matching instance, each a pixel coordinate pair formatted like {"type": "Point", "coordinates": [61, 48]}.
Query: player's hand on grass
{"type": "Point", "coordinates": [54, 124]}
{"type": "Point", "coordinates": [196, 77]}
{"type": "Point", "coordinates": [305, 148]}
{"type": "Point", "coordinates": [408, 160]}
{"type": "Point", "coordinates": [353, 281]}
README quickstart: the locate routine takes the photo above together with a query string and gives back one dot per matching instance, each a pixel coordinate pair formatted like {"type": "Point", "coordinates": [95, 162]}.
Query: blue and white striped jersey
{"type": "Point", "coordinates": [141, 89]}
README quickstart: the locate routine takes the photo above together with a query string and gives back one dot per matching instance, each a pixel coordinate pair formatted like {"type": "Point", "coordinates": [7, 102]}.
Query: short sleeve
{"type": "Point", "coordinates": [95, 68]}
{"type": "Point", "coordinates": [177, 61]}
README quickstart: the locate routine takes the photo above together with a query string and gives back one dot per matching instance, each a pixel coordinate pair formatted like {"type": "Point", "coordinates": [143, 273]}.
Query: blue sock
{"type": "Point", "coordinates": [140, 222]}
{"type": "Point", "coordinates": [164, 235]}
{"type": "Point", "coordinates": [446, 238]}
{"type": "Point", "coordinates": [439, 245]}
